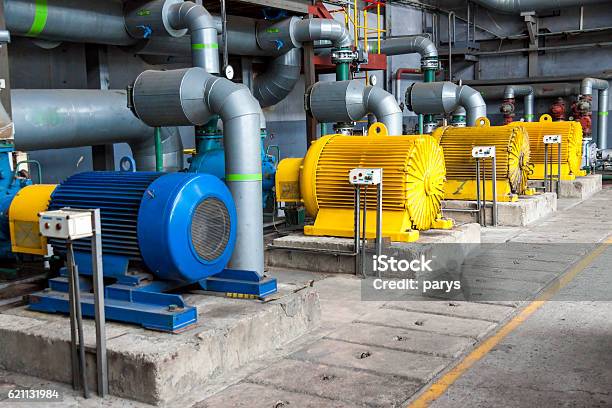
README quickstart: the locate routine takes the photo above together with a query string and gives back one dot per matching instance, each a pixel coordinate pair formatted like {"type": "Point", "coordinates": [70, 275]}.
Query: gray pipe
{"type": "Point", "coordinates": [56, 119]}
{"type": "Point", "coordinates": [348, 101]}
{"type": "Point", "coordinates": [586, 88]}
{"type": "Point", "coordinates": [445, 97]}
{"type": "Point", "coordinates": [94, 21]}
{"type": "Point", "coordinates": [517, 6]}
{"type": "Point", "coordinates": [406, 45]}
{"type": "Point", "coordinates": [203, 30]}
{"type": "Point", "coordinates": [529, 99]}
{"type": "Point", "coordinates": [279, 79]}
{"type": "Point", "coordinates": [316, 29]}
{"type": "Point", "coordinates": [547, 90]}
{"type": "Point", "coordinates": [190, 97]}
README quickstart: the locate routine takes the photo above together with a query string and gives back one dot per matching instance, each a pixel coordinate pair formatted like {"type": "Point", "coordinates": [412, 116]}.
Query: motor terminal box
{"type": "Point", "coordinates": [483, 152]}
{"type": "Point", "coordinates": [66, 224]}
{"type": "Point", "coordinates": [365, 177]}
{"type": "Point", "coordinates": [552, 139]}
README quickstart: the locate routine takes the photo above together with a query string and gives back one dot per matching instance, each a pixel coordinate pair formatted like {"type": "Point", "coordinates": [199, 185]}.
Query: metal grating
{"type": "Point", "coordinates": [210, 228]}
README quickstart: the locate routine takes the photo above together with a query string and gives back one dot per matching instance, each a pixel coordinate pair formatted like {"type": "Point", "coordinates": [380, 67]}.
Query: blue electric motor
{"type": "Point", "coordinates": [159, 232]}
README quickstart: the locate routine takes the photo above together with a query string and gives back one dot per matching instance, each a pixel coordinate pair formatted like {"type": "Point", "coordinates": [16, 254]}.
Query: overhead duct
{"type": "Point", "coordinates": [349, 101]}
{"type": "Point", "coordinates": [273, 85]}
{"type": "Point", "coordinates": [586, 90]}
{"type": "Point", "coordinates": [57, 119]}
{"type": "Point", "coordinates": [175, 18]}
{"type": "Point", "coordinates": [284, 71]}
{"type": "Point", "coordinates": [510, 93]}
{"type": "Point", "coordinates": [445, 97]}
{"type": "Point", "coordinates": [190, 97]}
{"type": "Point", "coordinates": [93, 21]}
{"type": "Point", "coordinates": [518, 6]}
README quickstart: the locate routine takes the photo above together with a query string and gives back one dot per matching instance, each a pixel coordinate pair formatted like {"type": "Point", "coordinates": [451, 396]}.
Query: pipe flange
{"type": "Point", "coordinates": [429, 127]}
{"type": "Point", "coordinates": [339, 56]}
{"type": "Point", "coordinates": [430, 63]}
{"type": "Point", "coordinates": [343, 128]}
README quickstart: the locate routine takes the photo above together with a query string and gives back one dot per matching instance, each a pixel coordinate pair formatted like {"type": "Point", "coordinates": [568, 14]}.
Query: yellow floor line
{"type": "Point", "coordinates": [439, 387]}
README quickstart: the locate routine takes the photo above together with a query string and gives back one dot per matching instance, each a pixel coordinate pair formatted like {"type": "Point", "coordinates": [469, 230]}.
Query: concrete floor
{"type": "Point", "coordinates": [383, 353]}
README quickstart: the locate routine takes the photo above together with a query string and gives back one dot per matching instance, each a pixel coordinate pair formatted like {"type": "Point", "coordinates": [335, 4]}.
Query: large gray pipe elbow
{"type": "Point", "coordinates": [316, 29]}
{"type": "Point", "coordinates": [517, 6]}
{"type": "Point", "coordinates": [473, 102]}
{"type": "Point", "coordinates": [283, 72]}
{"type": "Point", "coordinates": [203, 30]}
{"type": "Point", "coordinates": [406, 45]}
{"type": "Point", "coordinates": [511, 91]}
{"type": "Point", "coordinates": [191, 96]}
{"type": "Point", "coordinates": [586, 88]}
{"type": "Point", "coordinates": [445, 97]}
{"type": "Point", "coordinates": [62, 118]}
{"type": "Point", "coordinates": [349, 101]}
{"type": "Point", "coordinates": [384, 106]}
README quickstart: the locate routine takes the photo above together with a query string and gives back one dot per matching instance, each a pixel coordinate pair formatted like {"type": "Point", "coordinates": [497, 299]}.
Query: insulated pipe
{"type": "Point", "coordinates": [93, 21]}
{"type": "Point", "coordinates": [203, 30]}
{"type": "Point", "coordinates": [279, 79]}
{"type": "Point", "coordinates": [527, 92]}
{"type": "Point", "coordinates": [586, 88]}
{"type": "Point", "coordinates": [348, 101]}
{"type": "Point", "coordinates": [517, 6]}
{"type": "Point", "coordinates": [56, 119]}
{"type": "Point", "coordinates": [190, 97]}
{"type": "Point", "coordinates": [445, 97]}
{"type": "Point", "coordinates": [406, 45]}
{"type": "Point", "coordinates": [316, 29]}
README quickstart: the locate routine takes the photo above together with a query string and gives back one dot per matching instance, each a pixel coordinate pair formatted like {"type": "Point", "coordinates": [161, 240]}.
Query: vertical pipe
{"type": "Point", "coordinates": [494, 180]}
{"type": "Point", "coordinates": [100, 316]}
{"type": "Point", "coordinates": [159, 157]}
{"type": "Point", "coordinates": [451, 16]}
{"type": "Point", "coordinates": [602, 119]}
{"type": "Point", "coordinates": [364, 233]}
{"type": "Point", "coordinates": [357, 238]}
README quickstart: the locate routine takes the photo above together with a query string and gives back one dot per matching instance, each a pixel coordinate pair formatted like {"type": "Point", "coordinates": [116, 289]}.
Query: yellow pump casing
{"type": "Point", "coordinates": [512, 154]}
{"type": "Point", "coordinates": [413, 183]}
{"type": "Point", "coordinates": [23, 218]}
{"type": "Point", "coordinates": [571, 147]}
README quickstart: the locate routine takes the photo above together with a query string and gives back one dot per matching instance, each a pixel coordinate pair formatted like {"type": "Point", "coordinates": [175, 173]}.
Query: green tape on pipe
{"type": "Point", "coordinates": [204, 46]}
{"type": "Point", "coordinates": [40, 18]}
{"type": "Point", "coordinates": [243, 177]}
{"type": "Point", "coordinates": [603, 113]}
{"type": "Point", "coordinates": [529, 115]}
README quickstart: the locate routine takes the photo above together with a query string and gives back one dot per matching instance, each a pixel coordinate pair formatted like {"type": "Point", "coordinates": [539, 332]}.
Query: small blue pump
{"type": "Point", "coordinates": [210, 158]}
{"type": "Point", "coordinates": [160, 232]}
{"type": "Point", "coordinates": [10, 184]}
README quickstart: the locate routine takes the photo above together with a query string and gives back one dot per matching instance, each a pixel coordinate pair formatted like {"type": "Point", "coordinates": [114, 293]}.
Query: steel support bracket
{"type": "Point", "coordinates": [240, 284]}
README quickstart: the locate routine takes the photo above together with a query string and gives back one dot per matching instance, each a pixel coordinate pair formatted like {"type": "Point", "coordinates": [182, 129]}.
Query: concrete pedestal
{"type": "Point", "coordinates": [525, 211]}
{"type": "Point", "coordinates": [156, 367]}
{"type": "Point", "coordinates": [314, 254]}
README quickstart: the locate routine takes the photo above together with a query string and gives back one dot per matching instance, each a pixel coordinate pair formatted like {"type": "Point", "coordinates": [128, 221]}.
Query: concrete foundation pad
{"type": "Point", "coordinates": [156, 367]}
{"type": "Point", "coordinates": [581, 187]}
{"type": "Point", "coordinates": [525, 211]}
{"type": "Point", "coordinates": [316, 254]}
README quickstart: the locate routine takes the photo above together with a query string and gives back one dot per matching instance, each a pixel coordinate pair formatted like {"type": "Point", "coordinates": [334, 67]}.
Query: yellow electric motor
{"type": "Point", "coordinates": [512, 155]}
{"type": "Point", "coordinates": [413, 183]}
{"type": "Point", "coordinates": [571, 147]}
{"type": "Point", "coordinates": [23, 218]}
